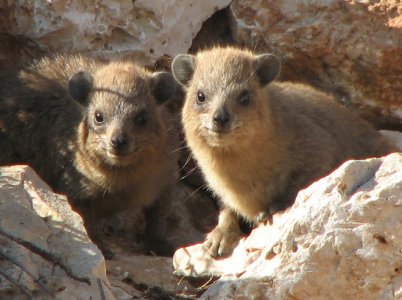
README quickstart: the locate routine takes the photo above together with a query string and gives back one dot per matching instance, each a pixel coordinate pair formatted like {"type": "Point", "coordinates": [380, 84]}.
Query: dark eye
{"type": "Point", "coordinates": [201, 97]}
{"type": "Point", "coordinates": [142, 119]}
{"type": "Point", "coordinates": [244, 98]}
{"type": "Point", "coordinates": [98, 117]}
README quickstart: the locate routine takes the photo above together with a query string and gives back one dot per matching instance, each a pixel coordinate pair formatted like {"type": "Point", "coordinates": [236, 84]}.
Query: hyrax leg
{"type": "Point", "coordinates": [224, 237]}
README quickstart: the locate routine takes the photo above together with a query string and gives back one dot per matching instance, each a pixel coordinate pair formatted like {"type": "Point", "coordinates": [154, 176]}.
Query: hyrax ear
{"type": "Point", "coordinates": [163, 86]}
{"type": "Point", "coordinates": [267, 68]}
{"type": "Point", "coordinates": [183, 68]}
{"type": "Point", "coordinates": [80, 85]}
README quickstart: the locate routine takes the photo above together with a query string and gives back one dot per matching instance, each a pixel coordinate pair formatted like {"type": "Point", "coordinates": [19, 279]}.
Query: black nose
{"type": "Point", "coordinates": [221, 117]}
{"type": "Point", "coordinates": [118, 141]}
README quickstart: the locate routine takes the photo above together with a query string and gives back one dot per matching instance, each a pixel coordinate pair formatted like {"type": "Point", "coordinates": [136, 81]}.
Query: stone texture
{"type": "Point", "coordinates": [145, 277]}
{"type": "Point", "coordinates": [350, 48]}
{"type": "Point", "coordinates": [359, 60]}
{"type": "Point", "coordinates": [342, 239]}
{"type": "Point", "coordinates": [143, 28]}
{"type": "Point", "coordinates": [31, 212]}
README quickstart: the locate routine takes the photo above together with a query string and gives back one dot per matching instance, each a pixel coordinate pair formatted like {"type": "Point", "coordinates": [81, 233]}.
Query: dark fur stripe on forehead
{"type": "Point", "coordinates": [121, 90]}
{"type": "Point", "coordinates": [122, 77]}
{"type": "Point", "coordinates": [132, 95]}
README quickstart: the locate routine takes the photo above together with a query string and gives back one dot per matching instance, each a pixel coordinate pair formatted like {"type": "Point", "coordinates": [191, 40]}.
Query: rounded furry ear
{"type": "Point", "coordinates": [267, 68]}
{"type": "Point", "coordinates": [80, 85]}
{"type": "Point", "coordinates": [163, 86]}
{"type": "Point", "coordinates": [183, 68]}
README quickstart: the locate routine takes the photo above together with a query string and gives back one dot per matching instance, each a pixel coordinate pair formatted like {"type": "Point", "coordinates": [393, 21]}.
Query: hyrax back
{"type": "Point", "coordinates": [258, 142]}
{"type": "Point", "coordinates": [93, 130]}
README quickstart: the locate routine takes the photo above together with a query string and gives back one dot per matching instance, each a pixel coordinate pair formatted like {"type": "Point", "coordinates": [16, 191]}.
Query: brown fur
{"type": "Point", "coordinates": [42, 125]}
{"type": "Point", "coordinates": [285, 137]}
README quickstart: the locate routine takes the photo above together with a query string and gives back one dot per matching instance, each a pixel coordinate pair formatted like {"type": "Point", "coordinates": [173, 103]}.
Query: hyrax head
{"type": "Point", "coordinates": [223, 104]}
{"type": "Point", "coordinates": [122, 118]}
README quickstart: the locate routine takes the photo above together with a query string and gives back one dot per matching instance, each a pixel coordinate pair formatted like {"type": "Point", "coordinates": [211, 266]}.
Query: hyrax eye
{"type": "Point", "coordinates": [244, 98]}
{"type": "Point", "coordinates": [99, 117]}
{"type": "Point", "coordinates": [201, 97]}
{"type": "Point", "coordinates": [142, 119]}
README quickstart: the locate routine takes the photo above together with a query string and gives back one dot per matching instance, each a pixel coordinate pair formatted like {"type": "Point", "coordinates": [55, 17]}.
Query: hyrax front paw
{"type": "Point", "coordinates": [221, 242]}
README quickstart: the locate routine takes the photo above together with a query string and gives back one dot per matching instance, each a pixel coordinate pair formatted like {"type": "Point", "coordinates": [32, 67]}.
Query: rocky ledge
{"type": "Point", "coordinates": [342, 239]}
{"type": "Point", "coordinates": [45, 252]}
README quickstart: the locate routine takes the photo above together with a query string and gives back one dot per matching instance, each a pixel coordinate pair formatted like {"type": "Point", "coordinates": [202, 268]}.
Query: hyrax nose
{"type": "Point", "coordinates": [118, 141]}
{"type": "Point", "coordinates": [221, 117]}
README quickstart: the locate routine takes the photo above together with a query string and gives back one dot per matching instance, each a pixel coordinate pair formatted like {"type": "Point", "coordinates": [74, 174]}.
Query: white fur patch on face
{"type": "Point", "coordinates": [208, 124]}
{"type": "Point", "coordinates": [215, 138]}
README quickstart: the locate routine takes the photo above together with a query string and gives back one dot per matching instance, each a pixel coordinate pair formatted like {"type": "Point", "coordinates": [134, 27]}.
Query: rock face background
{"type": "Point", "coordinates": [351, 49]}
{"type": "Point", "coordinates": [142, 29]}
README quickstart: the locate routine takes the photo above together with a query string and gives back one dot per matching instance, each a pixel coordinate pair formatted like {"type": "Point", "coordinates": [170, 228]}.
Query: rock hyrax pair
{"type": "Point", "coordinates": [93, 130]}
{"type": "Point", "coordinates": [257, 141]}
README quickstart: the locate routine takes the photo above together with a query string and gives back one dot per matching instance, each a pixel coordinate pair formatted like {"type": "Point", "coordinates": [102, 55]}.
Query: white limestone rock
{"type": "Point", "coordinates": [342, 239]}
{"type": "Point", "coordinates": [30, 211]}
{"type": "Point", "coordinates": [144, 28]}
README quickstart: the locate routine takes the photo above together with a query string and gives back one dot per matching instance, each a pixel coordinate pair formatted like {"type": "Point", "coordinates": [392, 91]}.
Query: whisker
{"type": "Point", "coordinates": [178, 132]}
{"type": "Point", "coordinates": [189, 173]}
{"type": "Point", "coordinates": [194, 192]}
{"type": "Point", "coordinates": [179, 149]}
{"type": "Point", "coordinates": [186, 163]}
{"type": "Point", "coordinates": [258, 41]}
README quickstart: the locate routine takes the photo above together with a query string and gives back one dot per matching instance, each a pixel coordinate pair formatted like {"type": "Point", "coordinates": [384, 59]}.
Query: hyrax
{"type": "Point", "coordinates": [93, 130]}
{"type": "Point", "coordinates": [259, 142]}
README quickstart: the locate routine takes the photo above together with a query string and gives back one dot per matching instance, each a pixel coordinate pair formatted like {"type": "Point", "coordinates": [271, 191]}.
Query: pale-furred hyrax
{"type": "Point", "coordinates": [93, 130]}
{"type": "Point", "coordinates": [257, 141]}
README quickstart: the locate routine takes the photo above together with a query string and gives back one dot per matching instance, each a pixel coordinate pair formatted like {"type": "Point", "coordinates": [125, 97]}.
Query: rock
{"type": "Point", "coordinates": [31, 213]}
{"type": "Point", "coordinates": [342, 239]}
{"type": "Point", "coordinates": [359, 60]}
{"type": "Point", "coordinates": [144, 29]}
{"type": "Point", "coordinates": [217, 30]}
{"type": "Point", "coordinates": [352, 49]}
{"type": "Point", "coordinates": [141, 276]}
{"type": "Point", "coordinates": [45, 249]}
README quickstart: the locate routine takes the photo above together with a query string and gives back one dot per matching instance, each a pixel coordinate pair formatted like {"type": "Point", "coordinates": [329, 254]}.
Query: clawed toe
{"type": "Point", "coordinates": [220, 243]}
